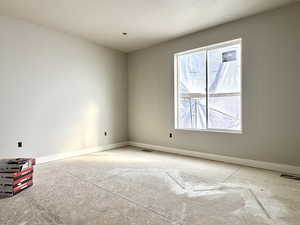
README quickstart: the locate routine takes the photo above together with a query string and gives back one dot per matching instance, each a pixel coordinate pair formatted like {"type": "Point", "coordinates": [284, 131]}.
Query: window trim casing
{"type": "Point", "coordinates": [176, 69]}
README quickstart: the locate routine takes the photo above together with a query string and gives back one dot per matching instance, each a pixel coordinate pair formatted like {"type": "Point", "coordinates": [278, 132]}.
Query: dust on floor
{"type": "Point", "coordinates": [131, 187]}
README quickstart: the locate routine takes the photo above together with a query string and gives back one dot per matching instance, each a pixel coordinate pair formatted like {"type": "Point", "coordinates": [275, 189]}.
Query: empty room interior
{"type": "Point", "coordinates": [139, 112]}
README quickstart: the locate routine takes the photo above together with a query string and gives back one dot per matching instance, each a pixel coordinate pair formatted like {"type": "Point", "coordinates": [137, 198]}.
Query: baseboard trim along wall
{"type": "Point", "coordinates": [44, 159]}
{"type": "Point", "coordinates": [239, 161]}
{"type": "Point", "coordinates": [244, 162]}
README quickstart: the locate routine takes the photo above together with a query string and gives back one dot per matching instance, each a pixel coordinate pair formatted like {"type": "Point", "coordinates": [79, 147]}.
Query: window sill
{"type": "Point", "coordinates": [211, 130]}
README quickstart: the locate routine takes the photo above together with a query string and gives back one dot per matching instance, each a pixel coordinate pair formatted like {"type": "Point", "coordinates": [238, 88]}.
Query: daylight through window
{"type": "Point", "coordinates": [208, 88]}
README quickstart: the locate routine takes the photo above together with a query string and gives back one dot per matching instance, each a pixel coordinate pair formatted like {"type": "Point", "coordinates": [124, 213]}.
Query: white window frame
{"type": "Point", "coordinates": [176, 74]}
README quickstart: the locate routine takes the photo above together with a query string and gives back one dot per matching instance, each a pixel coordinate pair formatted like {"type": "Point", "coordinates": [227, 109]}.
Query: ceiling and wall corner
{"type": "Point", "coordinates": [145, 22]}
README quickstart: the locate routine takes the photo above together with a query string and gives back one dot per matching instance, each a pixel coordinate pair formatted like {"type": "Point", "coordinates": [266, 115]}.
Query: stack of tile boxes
{"type": "Point", "coordinates": [16, 175]}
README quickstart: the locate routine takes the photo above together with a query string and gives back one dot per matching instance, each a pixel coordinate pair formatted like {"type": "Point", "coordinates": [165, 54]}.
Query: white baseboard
{"type": "Point", "coordinates": [244, 162]}
{"type": "Point", "coordinates": [85, 151]}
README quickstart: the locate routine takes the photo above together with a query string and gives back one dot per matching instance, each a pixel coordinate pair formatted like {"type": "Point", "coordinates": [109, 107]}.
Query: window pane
{"type": "Point", "coordinates": [191, 90]}
{"type": "Point", "coordinates": [224, 87]}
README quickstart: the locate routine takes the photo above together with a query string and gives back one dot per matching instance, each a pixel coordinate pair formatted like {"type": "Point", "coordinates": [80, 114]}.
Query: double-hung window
{"type": "Point", "coordinates": [208, 88]}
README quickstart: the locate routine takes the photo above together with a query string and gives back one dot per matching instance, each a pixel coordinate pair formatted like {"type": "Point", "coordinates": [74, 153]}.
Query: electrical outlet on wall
{"type": "Point", "coordinates": [171, 135]}
{"type": "Point", "coordinates": [20, 144]}
{"type": "Point", "coordinates": [105, 133]}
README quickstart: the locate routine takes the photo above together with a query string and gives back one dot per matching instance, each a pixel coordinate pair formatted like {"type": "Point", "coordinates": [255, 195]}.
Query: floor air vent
{"type": "Point", "coordinates": [147, 150]}
{"type": "Point", "coordinates": [289, 176]}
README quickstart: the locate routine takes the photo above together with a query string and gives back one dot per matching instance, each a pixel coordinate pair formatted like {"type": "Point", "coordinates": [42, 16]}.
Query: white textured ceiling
{"type": "Point", "coordinates": [147, 22]}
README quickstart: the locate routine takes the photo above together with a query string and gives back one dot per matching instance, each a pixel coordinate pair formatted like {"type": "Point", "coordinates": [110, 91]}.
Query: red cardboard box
{"type": "Point", "coordinates": [16, 175]}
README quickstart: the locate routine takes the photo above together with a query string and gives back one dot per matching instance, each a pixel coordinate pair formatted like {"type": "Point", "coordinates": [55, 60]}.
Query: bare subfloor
{"type": "Point", "coordinates": [131, 187]}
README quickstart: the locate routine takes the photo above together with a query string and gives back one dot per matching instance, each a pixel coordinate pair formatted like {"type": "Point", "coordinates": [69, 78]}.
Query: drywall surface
{"type": "Point", "coordinates": [271, 94]}
{"type": "Point", "coordinates": [58, 93]}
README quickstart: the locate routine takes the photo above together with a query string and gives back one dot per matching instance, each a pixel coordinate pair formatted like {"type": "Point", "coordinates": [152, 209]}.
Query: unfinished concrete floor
{"type": "Point", "coordinates": [130, 187]}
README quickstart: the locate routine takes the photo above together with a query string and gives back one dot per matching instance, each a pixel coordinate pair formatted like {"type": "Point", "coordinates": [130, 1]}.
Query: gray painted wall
{"type": "Point", "coordinates": [58, 93]}
{"type": "Point", "coordinates": [271, 78]}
